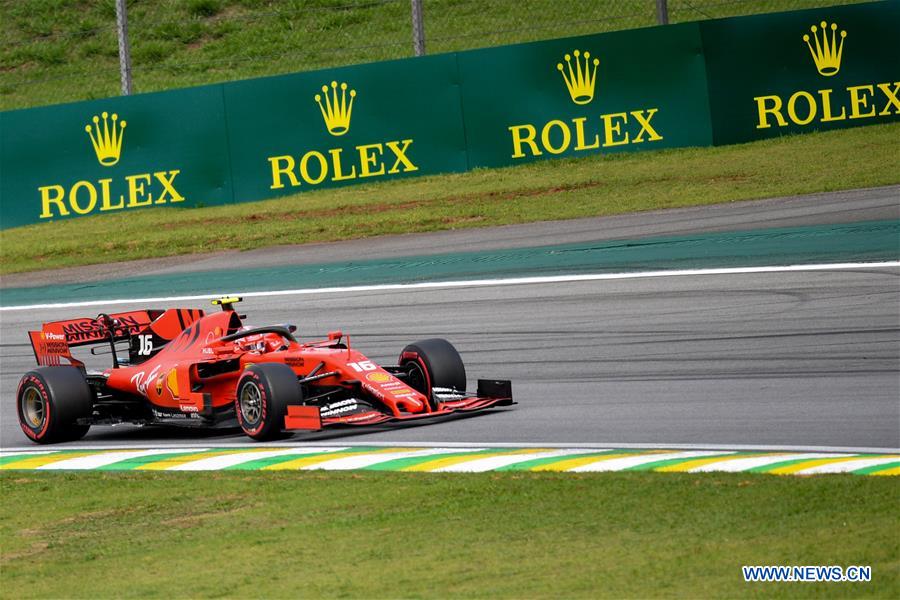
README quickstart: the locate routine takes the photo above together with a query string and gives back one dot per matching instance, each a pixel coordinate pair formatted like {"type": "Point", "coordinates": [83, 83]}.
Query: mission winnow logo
{"type": "Point", "coordinates": [826, 47]}
{"type": "Point", "coordinates": [106, 134]}
{"type": "Point", "coordinates": [315, 166]}
{"type": "Point", "coordinates": [588, 132]}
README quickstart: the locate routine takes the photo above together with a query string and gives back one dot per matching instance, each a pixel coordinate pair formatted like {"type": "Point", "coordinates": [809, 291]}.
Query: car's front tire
{"type": "Point", "coordinates": [49, 402]}
{"type": "Point", "coordinates": [264, 392]}
{"type": "Point", "coordinates": [433, 363]}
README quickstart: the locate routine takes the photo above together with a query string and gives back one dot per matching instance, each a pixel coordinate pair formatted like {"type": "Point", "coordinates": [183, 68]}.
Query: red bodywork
{"type": "Point", "coordinates": [193, 368]}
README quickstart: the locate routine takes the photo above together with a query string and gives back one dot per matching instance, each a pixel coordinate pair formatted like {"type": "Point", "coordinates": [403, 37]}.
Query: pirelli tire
{"type": "Point", "coordinates": [433, 363]}
{"type": "Point", "coordinates": [264, 392]}
{"type": "Point", "coordinates": [50, 401]}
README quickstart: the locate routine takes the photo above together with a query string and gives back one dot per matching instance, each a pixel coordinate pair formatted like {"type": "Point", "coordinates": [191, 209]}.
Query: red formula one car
{"type": "Point", "coordinates": [186, 367]}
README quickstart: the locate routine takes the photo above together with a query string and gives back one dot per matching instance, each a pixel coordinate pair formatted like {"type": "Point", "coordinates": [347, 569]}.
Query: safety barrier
{"type": "Point", "coordinates": [694, 84]}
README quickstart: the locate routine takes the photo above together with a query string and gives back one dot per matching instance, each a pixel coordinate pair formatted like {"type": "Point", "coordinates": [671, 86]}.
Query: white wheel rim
{"type": "Point", "coordinates": [251, 403]}
{"type": "Point", "coordinates": [33, 409]}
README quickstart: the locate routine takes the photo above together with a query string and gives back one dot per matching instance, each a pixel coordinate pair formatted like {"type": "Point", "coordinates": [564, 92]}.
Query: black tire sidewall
{"type": "Point", "coordinates": [440, 361]}
{"type": "Point", "coordinates": [43, 431]}
{"type": "Point", "coordinates": [251, 377]}
{"type": "Point", "coordinates": [66, 396]}
{"type": "Point", "coordinates": [278, 387]}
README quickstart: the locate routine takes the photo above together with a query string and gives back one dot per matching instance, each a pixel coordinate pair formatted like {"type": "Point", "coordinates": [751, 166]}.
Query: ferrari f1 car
{"type": "Point", "coordinates": [186, 367]}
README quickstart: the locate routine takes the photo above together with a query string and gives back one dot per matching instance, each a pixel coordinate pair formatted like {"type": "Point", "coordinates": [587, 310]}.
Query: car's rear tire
{"type": "Point", "coordinates": [264, 392]}
{"type": "Point", "coordinates": [49, 402]}
{"type": "Point", "coordinates": [433, 363]}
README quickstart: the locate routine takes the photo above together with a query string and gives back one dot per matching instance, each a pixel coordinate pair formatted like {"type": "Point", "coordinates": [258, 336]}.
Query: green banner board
{"type": "Point", "coordinates": [694, 84]}
{"type": "Point", "coordinates": [112, 155]}
{"type": "Point", "coordinates": [803, 71]}
{"type": "Point", "coordinates": [345, 126]}
{"type": "Point", "coordinates": [615, 92]}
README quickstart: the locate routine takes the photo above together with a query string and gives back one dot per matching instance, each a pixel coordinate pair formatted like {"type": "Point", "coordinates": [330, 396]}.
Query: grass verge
{"type": "Point", "coordinates": [556, 189]}
{"type": "Point", "coordinates": [431, 535]}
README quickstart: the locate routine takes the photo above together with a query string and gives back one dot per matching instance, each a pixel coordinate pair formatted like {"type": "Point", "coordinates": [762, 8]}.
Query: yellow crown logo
{"type": "Point", "coordinates": [108, 140]}
{"type": "Point", "coordinates": [580, 81]}
{"type": "Point", "coordinates": [827, 53]}
{"type": "Point", "coordinates": [336, 111]}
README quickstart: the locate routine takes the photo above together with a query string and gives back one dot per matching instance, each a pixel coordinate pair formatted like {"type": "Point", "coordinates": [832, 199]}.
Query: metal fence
{"type": "Point", "coordinates": [63, 50]}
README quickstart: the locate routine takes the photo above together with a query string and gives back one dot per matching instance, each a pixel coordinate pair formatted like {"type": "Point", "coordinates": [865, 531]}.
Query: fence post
{"type": "Point", "coordinates": [662, 12]}
{"type": "Point", "coordinates": [418, 28]}
{"type": "Point", "coordinates": [124, 51]}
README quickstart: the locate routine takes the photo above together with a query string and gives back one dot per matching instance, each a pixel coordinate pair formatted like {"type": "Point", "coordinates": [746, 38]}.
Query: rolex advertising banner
{"type": "Point", "coordinates": [623, 91]}
{"type": "Point", "coordinates": [803, 71]}
{"type": "Point", "coordinates": [693, 84]}
{"type": "Point", "coordinates": [368, 123]}
{"type": "Point", "coordinates": [114, 155]}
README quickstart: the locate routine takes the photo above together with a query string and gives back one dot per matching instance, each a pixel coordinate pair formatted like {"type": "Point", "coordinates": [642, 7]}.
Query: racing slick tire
{"type": "Point", "coordinates": [264, 392]}
{"type": "Point", "coordinates": [50, 400]}
{"type": "Point", "coordinates": [433, 363]}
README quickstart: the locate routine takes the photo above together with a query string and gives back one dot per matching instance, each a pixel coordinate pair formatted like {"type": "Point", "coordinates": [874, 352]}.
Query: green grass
{"type": "Point", "coordinates": [428, 535]}
{"type": "Point", "coordinates": [556, 189]}
{"type": "Point", "coordinates": [66, 50]}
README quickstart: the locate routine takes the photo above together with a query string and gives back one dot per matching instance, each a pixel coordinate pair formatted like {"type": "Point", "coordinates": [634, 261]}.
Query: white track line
{"type": "Point", "coordinates": [618, 464]}
{"type": "Point", "coordinates": [283, 445]}
{"type": "Point", "coordinates": [4, 453]}
{"type": "Point", "coordinates": [471, 283]}
{"type": "Point", "coordinates": [214, 463]}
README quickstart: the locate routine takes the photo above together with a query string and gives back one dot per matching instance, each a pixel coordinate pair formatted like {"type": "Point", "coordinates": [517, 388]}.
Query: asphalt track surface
{"type": "Point", "coordinates": [762, 359]}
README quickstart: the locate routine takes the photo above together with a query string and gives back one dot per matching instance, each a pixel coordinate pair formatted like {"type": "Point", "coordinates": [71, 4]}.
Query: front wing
{"type": "Point", "coordinates": [309, 418]}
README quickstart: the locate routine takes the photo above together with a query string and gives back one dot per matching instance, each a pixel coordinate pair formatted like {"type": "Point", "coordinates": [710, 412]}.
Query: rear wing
{"type": "Point", "coordinates": [53, 343]}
